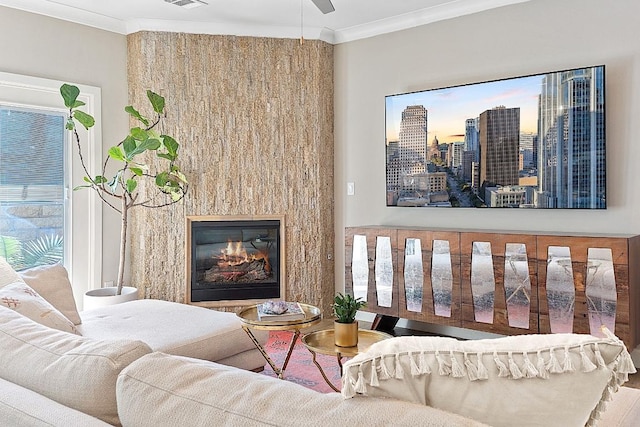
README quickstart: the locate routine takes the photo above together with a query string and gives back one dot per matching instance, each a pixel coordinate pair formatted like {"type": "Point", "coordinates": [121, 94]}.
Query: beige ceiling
{"type": "Point", "coordinates": [352, 19]}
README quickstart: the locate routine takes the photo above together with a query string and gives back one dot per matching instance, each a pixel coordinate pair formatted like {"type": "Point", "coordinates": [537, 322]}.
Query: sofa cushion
{"type": "Point", "coordinates": [174, 328]}
{"type": "Point", "coordinates": [20, 406]}
{"type": "Point", "coordinates": [552, 380]}
{"type": "Point", "coordinates": [75, 371]}
{"type": "Point", "coordinates": [623, 410]}
{"type": "Point", "coordinates": [160, 389]}
{"type": "Point", "coordinates": [20, 297]}
{"type": "Point", "coordinates": [52, 283]}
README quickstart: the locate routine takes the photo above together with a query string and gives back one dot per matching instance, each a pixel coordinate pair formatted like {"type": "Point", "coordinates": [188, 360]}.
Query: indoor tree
{"type": "Point", "coordinates": [120, 190]}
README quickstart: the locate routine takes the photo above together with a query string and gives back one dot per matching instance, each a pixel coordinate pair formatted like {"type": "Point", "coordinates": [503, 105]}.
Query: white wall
{"type": "Point", "coordinates": [537, 36]}
{"type": "Point", "coordinates": [38, 46]}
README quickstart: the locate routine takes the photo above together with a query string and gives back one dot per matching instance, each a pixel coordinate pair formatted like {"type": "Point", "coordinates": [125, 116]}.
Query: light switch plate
{"type": "Point", "coordinates": [351, 189]}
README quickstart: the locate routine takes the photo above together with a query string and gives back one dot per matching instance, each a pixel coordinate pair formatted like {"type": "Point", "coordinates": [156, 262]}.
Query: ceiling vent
{"type": "Point", "coordinates": [187, 4]}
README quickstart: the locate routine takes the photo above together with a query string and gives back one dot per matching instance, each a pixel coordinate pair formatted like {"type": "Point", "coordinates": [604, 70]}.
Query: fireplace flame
{"type": "Point", "coordinates": [235, 255]}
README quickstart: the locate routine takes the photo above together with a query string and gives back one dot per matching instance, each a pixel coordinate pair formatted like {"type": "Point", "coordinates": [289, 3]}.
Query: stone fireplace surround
{"type": "Point", "coordinates": [254, 117]}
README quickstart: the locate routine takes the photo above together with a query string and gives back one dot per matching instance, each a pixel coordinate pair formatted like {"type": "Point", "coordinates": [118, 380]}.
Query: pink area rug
{"type": "Point", "coordinates": [301, 369]}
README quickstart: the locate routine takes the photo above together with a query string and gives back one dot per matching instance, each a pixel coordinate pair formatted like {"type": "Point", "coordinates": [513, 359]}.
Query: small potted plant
{"type": "Point", "coordinates": [345, 325]}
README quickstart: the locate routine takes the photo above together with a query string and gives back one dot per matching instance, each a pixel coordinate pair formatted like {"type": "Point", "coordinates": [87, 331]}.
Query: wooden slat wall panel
{"type": "Point", "coordinates": [254, 117]}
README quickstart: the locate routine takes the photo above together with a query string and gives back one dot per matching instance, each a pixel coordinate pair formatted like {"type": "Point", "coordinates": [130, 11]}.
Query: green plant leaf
{"type": "Point", "coordinates": [129, 145]}
{"type": "Point", "coordinates": [116, 154]}
{"type": "Point", "coordinates": [179, 176]}
{"type": "Point", "coordinates": [170, 144]}
{"type": "Point", "coordinates": [176, 195]}
{"type": "Point", "coordinates": [345, 307]}
{"type": "Point", "coordinates": [139, 134]}
{"type": "Point", "coordinates": [152, 144]}
{"type": "Point", "coordinates": [45, 250]}
{"type": "Point", "coordinates": [99, 179]}
{"type": "Point", "coordinates": [9, 247]}
{"type": "Point", "coordinates": [135, 114]}
{"type": "Point", "coordinates": [141, 147]}
{"type": "Point", "coordinates": [136, 170]}
{"type": "Point", "coordinates": [69, 94]}
{"type": "Point", "coordinates": [162, 178]}
{"type": "Point", "coordinates": [131, 185]}
{"type": "Point", "coordinates": [157, 101]}
{"type": "Point", "coordinates": [84, 119]}
{"type": "Point", "coordinates": [167, 156]}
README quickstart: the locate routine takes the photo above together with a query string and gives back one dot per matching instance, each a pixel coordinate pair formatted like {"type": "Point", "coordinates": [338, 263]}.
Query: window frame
{"type": "Point", "coordinates": [85, 208]}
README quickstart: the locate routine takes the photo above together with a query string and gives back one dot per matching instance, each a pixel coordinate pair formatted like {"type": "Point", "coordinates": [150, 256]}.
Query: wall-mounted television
{"type": "Point", "coordinates": [535, 141]}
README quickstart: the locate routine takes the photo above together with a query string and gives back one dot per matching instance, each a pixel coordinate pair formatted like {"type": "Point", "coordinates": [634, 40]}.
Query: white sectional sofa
{"type": "Point", "coordinates": [44, 294]}
{"type": "Point", "coordinates": [112, 368]}
{"type": "Point", "coordinates": [53, 378]}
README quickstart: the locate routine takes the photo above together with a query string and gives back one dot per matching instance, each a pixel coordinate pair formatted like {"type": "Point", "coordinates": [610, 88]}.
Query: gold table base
{"type": "Point", "coordinates": [323, 342]}
{"type": "Point", "coordinates": [279, 371]}
{"type": "Point", "coordinates": [251, 320]}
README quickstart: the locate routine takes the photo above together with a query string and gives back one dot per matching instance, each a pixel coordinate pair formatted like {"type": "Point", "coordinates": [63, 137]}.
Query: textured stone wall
{"type": "Point", "coordinates": [254, 117]}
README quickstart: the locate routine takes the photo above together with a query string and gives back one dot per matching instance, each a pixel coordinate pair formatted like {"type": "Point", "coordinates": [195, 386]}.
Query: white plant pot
{"type": "Point", "coordinates": [107, 296]}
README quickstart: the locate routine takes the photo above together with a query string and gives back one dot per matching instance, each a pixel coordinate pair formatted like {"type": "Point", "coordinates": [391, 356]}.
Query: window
{"type": "Point", "coordinates": [32, 184]}
{"type": "Point", "coordinates": [42, 221]}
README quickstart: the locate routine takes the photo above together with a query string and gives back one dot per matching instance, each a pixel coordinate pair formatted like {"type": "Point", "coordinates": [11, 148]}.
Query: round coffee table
{"type": "Point", "coordinates": [250, 320]}
{"type": "Point", "coordinates": [323, 342]}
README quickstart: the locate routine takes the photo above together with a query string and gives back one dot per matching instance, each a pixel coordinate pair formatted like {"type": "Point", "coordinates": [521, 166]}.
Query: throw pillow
{"type": "Point", "coordinates": [7, 273]}
{"type": "Point", "coordinates": [52, 283]}
{"type": "Point", "coordinates": [528, 380]}
{"type": "Point", "coordinates": [21, 298]}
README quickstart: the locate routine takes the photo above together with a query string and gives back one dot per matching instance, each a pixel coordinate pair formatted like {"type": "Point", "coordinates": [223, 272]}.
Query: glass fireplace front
{"type": "Point", "coordinates": [235, 260]}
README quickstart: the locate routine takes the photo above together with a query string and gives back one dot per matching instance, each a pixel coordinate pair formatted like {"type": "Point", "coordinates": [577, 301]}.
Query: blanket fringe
{"type": "Point", "coordinates": [423, 365]}
{"type": "Point", "coordinates": [360, 386]}
{"type": "Point", "coordinates": [542, 368]}
{"type": "Point", "coordinates": [529, 369]}
{"type": "Point", "coordinates": [399, 372]}
{"type": "Point", "coordinates": [568, 364]}
{"type": "Point", "coordinates": [459, 364]}
{"type": "Point", "coordinates": [553, 366]}
{"type": "Point", "coordinates": [472, 371]}
{"type": "Point", "coordinates": [384, 372]}
{"type": "Point", "coordinates": [483, 373]}
{"type": "Point", "coordinates": [443, 368]}
{"type": "Point", "coordinates": [513, 368]}
{"type": "Point", "coordinates": [457, 370]}
{"type": "Point", "coordinates": [599, 358]}
{"type": "Point", "coordinates": [587, 364]}
{"type": "Point", "coordinates": [415, 370]}
{"type": "Point", "coordinates": [503, 372]}
{"type": "Point", "coordinates": [374, 374]}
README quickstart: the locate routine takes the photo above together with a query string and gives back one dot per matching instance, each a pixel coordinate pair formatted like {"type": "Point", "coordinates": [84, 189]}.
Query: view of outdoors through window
{"type": "Point", "coordinates": [32, 182]}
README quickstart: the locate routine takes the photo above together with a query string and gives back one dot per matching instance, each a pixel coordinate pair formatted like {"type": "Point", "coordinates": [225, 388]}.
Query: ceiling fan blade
{"type": "Point", "coordinates": [325, 6]}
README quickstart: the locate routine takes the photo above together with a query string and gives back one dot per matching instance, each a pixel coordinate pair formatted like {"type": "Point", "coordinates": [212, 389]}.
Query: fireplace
{"type": "Point", "coordinates": [234, 261]}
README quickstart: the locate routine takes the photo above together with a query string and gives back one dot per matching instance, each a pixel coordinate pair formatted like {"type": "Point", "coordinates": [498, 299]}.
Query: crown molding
{"type": "Point", "coordinates": [67, 13]}
{"type": "Point", "coordinates": [234, 29]}
{"type": "Point", "coordinates": [451, 9]}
